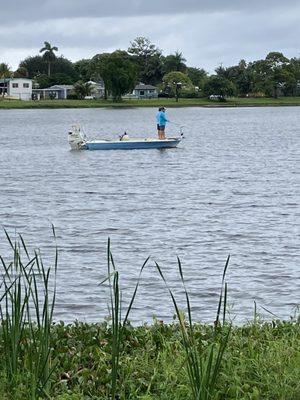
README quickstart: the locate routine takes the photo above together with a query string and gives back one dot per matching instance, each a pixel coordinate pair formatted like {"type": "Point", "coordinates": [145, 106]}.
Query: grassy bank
{"type": "Point", "coordinates": [234, 102]}
{"type": "Point", "coordinates": [40, 359]}
{"type": "Point", "coordinates": [262, 361]}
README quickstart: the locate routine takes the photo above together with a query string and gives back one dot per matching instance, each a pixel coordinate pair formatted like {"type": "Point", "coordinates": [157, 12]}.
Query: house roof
{"type": "Point", "coordinates": [142, 86]}
{"type": "Point", "coordinates": [53, 88]}
{"type": "Point", "coordinates": [14, 79]}
{"type": "Point", "coordinates": [93, 83]}
{"type": "Point", "coordinates": [57, 87]}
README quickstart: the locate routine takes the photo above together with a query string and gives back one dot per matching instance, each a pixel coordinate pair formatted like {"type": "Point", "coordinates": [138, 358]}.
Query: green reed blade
{"type": "Point", "coordinates": [9, 239]}
{"type": "Point", "coordinates": [221, 292]}
{"type": "Point", "coordinates": [135, 291]}
{"type": "Point", "coordinates": [24, 246]}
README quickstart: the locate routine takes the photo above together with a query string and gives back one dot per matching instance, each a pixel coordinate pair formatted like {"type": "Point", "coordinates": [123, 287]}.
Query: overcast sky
{"type": "Point", "coordinates": [207, 32]}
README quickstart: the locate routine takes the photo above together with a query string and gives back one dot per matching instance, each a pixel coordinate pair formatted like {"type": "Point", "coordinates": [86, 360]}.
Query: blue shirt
{"type": "Point", "coordinates": [157, 117]}
{"type": "Point", "coordinates": [162, 119]}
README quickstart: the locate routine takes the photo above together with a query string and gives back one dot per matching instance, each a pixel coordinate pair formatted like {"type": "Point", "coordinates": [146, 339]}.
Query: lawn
{"type": "Point", "coordinates": [201, 102]}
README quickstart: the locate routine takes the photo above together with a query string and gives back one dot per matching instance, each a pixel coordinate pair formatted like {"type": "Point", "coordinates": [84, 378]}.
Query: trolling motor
{"type": "Point", "coordinates": [181, 131]}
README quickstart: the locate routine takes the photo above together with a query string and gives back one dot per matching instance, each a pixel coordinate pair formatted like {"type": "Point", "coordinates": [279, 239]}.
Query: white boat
{"type": "Point", "coordinates": [78, 141]}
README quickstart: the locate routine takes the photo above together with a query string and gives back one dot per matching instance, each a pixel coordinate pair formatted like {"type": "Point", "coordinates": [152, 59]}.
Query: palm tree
{"type": "Point", "coordinates": [82, 89]}
{"type": "Point", "coordinates": [174, 62]}
{"type": "Point", "coordinates": [49, 55]}
{"type": "Point", "coordinates": [5, 72]}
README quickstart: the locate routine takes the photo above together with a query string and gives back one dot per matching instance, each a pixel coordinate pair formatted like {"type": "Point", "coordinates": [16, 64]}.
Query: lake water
{"type": "Point", "coordinates": [231, 187]}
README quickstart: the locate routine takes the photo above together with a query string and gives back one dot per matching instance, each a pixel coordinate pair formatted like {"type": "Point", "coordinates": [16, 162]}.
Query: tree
{"type": "Point", "coordinates": [219, 86]}
{"type": "Point", "coordinates": [272, 73]}
{"type": "Point", "coordinates": [260, 73]}
{"type": "Point", "coordinates": [83, 69]}
{"type": "Point", "coordinates": [278, 75]}
{"type": "Point", "coordinates": [61, 78]}
{"type": "Point", "coordinates": [174, 81]}
{"type": "Point", "coordinates": [174, 62]}
{"type": "Point", "coordinates": [42, 81]}
{"type": "Point", "coordinates": [97, 65]}
{"type": "Point", "coordinates": [118, 72]}
{"type": "Point", "coordinates": [143, 48]}
{"type": "Point", "coordinates": [62, 65]}
{"type": "Point", "coordinates": [21, 72]}
{"type": "Point", "coordinates": [291, 87]}
{"type": "Point", "coordinates": [240, 75]}
{"type": "Point", "coordinates": [49, 55]}
{"type": "Point", "coordinates": [152, 72]}
{"type": "Point", "coordinates": [196, 75]}
{"type": "Point", "coordinates": [34, 65]}
{"type": "Point", "coordinates": [148, 59]}
{"type": "Point", "coordinates": [82, 89]}
{"type": "Point", "coordinates": [5, 72]}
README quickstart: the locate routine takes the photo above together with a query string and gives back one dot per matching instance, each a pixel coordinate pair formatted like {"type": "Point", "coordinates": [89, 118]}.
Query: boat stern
{"type": "Point", "coordinates": [76, 138]}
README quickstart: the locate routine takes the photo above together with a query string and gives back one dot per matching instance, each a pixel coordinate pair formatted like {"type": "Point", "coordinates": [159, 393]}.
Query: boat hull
{"type": "Point", "coordinates": [131, 144]}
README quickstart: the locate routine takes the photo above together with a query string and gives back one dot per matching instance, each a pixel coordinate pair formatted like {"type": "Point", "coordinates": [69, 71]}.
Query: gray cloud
{"type": "Point", "coordinates": [39, 10]}
{"type": "Point", "coordinates": [207, 32]}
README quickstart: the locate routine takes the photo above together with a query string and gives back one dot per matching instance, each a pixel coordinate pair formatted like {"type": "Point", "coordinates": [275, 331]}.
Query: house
{"type": "Point", "coordinates": [97, 89]}
{"type": "Point", "coordinates": [54, 92]}
{"type": "Point", "coordinates": [142, 91]}
{"type": "Point", "coordinates": [17, 88]}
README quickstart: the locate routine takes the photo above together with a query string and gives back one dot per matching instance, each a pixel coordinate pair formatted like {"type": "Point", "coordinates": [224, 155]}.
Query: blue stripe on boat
{"type": "Point", "coordinates": [131, 144]}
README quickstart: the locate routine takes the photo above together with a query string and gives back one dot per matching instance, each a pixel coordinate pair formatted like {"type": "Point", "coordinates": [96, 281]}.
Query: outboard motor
{"type": "Point", "coordinates": [76, 138]}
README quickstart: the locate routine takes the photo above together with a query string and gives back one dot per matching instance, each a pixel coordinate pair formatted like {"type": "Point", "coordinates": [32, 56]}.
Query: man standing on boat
{"type": "Point", "coordinates": [157, 122]}
{"type": "Point", "coordinates": [162, 123]}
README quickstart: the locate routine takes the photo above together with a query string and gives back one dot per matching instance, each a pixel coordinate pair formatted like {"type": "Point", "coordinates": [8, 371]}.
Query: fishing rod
{"type": "Point", "coordinates": [181, 127]}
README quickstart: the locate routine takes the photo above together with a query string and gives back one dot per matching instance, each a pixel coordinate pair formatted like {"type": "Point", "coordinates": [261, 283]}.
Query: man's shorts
{"type": "Point", "coordinates": [162, 127]}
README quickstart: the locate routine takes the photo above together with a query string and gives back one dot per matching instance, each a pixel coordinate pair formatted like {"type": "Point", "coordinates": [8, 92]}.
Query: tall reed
{"type": "Point", "coordinates": [118, 323]}
{"type": "Point", "coordinates": [203, 364]}
{"type": "Point", "coordinates": [26, 313]}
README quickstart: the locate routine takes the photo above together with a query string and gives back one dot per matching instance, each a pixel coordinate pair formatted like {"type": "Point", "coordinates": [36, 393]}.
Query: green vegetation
{"type": "Point", "coordinates": [26, 311]}
{"type": "Point", "coordinates": [82, 89]}
{"type": "Point", "coordinates": [274, 76]}
{"type": "Point", "coordinates": [167, 102]}
{"type": "Point", "coordinates": [173, 83]}
{"type": "Point", "coordinates": [114, 360]}
{"type": "Point", "coordinates": [118, 72]}
{"type": "Point", "coordinates": [262, 361]}
{"type": "Point", "coordinates": [219, 86]}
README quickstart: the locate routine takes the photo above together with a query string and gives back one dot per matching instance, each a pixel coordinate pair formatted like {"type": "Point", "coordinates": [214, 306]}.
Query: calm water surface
{"type": "Point", "coordinates": [232, 187]}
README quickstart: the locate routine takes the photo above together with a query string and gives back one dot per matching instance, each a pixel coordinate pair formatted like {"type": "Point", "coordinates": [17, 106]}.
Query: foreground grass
{"type": "Point", "coordinates": [201, 102]}
{"type": "Point", "coordinates": [262, 361]}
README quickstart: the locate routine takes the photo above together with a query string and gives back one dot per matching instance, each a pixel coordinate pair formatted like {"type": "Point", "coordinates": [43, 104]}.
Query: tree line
{"type": "Point", "coordinates": [144, 62]}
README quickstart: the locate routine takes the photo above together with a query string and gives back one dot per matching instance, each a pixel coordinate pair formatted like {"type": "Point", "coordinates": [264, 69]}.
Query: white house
{"type": "Point", "coordinates": [142, 91]}
{"type": "Point", "coordinates": [20, 88]}
{"type": "Point", "coordinates": [55, 91]}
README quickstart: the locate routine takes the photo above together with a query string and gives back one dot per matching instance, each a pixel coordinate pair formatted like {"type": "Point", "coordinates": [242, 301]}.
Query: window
{"type": "Point", "coordinates": [15, 85]}
{"type": "Point", "coordinates": [142, 92]}
{"type": "Point", "coordinates": [25, 85]}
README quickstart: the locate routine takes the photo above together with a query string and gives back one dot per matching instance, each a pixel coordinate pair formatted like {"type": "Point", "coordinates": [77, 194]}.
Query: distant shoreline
{"type": "Point", "coordinates": [129, 103]}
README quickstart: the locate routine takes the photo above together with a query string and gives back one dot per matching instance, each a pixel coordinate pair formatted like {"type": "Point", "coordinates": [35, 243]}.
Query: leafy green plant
{"type": "Point", "coordinates": [26, 313]}
{"type": "Point", "coordinates": [203, 364]}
